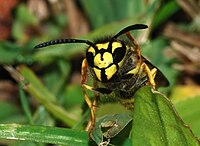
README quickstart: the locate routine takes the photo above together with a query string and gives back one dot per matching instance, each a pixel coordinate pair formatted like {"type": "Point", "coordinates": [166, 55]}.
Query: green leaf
{"type": "Point", "coordinates": [155, 121]}
{"type": "Point", "coordinates": [98, 16]}
{"type": "Point", "coordinates": [56, 77]}
{"type": "Point", "coordinates": [52, 135]}
{"type": "Point", "coordinates": [24, 16]}
{"type": "Point", "coordinates": [164, 13]}
{"type": "Point", "coordinates": [104, 11]}
{"type": "Point", "coordinates": [109, 126]}
{"type": "Point", "coordinates": [23, 19]}
{"type": "Point", "coordinates": [43, 117]}
{"type": "Point", "coordinates": [11, 53]}
{"type": "Point", "coordinates": [72, 96]}
{"type": "Point", "coordinates": [8, 52]}
{"type": "Point", "coordinates": [9, 112]}
{"type": "Point", "coordinates": [189, 110]}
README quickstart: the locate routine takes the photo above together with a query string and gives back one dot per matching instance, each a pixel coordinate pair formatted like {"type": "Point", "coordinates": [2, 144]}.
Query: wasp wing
{"type": "Point", "coordinates": [160, 79]}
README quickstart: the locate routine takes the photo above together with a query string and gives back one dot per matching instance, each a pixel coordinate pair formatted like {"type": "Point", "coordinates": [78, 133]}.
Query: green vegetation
{"type": "Point", "coordinates": [41, 99]}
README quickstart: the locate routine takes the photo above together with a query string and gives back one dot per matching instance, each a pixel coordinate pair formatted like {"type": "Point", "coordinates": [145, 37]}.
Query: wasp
{"type": "Point", "coordinates": [116, 66]}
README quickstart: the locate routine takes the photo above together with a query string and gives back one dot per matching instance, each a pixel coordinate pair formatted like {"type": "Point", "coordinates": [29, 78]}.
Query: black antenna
{"type": "Point", "coordinates": [64, 41]}
{"type": "Point", "coordinates": [127, 29]}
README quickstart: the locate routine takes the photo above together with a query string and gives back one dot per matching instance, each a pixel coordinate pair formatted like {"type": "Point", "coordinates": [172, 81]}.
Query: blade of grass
{"type": "Point", "coordinates": [35, 88]}
{"type": "Point", "coordinates": [25, 104]}
{"type": "Point", "coordinates": [42, 134]}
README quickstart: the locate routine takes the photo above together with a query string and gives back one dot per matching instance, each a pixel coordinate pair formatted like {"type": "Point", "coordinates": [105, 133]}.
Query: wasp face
{"type": "Point", "coordinates": [105, 59]}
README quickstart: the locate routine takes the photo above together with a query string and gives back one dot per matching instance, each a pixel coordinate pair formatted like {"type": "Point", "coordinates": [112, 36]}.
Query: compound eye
{"type": "Point", "coordinates": [119, 54]}
{"type": "Point", "coordinates": [90, 59]}
{"type": "Point", "coordinates": [90, 56]}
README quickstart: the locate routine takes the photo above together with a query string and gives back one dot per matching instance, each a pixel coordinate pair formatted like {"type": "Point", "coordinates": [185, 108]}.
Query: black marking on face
{"type": "Point", "coordinates": [119, 54]}
{"type": "Point", "coordinates": [103, 76]}
{"type": "Point", "coordinates": [90, 59]}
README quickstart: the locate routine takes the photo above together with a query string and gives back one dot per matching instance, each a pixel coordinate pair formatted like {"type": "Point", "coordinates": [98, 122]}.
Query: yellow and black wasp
{"type": "Point", "coordinates": [117, 67]}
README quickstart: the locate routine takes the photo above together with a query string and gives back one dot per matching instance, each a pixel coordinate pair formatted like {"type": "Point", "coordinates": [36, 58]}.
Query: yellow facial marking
{"type": "Point", "coordinates": [105, 46]}
{"type": "Point", "coordinates": [110, 71]}
{"type": "Point", "coordinates": [91, 49]}
{"type": "Point", "coordinates": [97, 73]}
{"type": "Point", "coordinates": [100, 46]}
{"type": "Point", "coordinates": [104, 67]}
{"type": "Point", "coordinates": [103, 61]}
{"type": "Point", "coordinates": [115, 45]}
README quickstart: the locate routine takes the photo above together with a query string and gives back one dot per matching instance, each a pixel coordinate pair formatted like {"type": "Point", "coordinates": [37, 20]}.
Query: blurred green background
{"type": "Point", "coordinates": [172, 43]}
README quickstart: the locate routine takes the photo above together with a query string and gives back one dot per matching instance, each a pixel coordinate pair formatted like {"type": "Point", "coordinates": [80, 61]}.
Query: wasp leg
{"type": "Point", "coordinates": [98, 90]}
{"type": "Point", "coordinates": [83, 80]}
{"type": "Point", "coordinates": [93, 105]}
{"type": "Point", "coordinates": [90, 104]}
{"type": "Point", "coordinates": [154, 72]}
{"type": "Point", "coordinates": [150, 74]}
{"type": "Point", "coordinates": [91, 124]}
